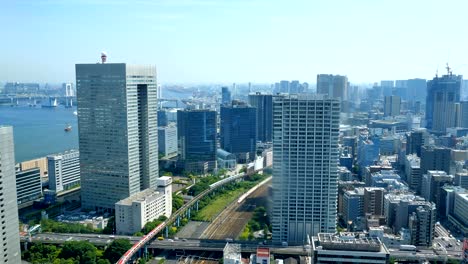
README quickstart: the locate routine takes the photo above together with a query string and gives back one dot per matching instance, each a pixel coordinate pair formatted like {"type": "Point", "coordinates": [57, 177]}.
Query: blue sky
{"type": "Point", "coordinates": [235, 41]}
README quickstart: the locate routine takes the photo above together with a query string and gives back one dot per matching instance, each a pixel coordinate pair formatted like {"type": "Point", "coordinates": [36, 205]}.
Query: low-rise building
{"type": "Point", "coordinates": [132, 213]}
{"type": "Point", "coordinates": [64, 170]}
{"type": "Point", "coordinates": [28, 185]}
{"type": "Point", "coordinates": [40, 163]}
{"type": "Point", "coordinates": [232, 254]}
{"type": "Point", "coordinates": [348, 248]}
{"type": "Point", "coordinates": [226, 160]}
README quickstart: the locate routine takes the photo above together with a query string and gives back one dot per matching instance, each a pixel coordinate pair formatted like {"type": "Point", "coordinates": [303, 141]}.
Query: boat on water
{"type": "Point", "coordinates": [75, 113]}
{"type": "Point", "coordinates": [68, 128]}
{"type": "Point", "coordinates": [50, 103]}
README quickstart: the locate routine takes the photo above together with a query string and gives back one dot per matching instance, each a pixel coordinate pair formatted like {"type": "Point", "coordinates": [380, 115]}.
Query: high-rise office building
{"type": "Point", "coordinates": [64, 170]}
{"type": "Point", "coordinates": [264, 111]}
{"type": "Point", "coordinates": [442, 94]}
{"type": "Point", "coordinates": [225, 96]}
{"type": "Point", "coordinates": [163, 119]}
{"type": "Point", "coordinates": [167, 140]}
{"type": "Point", "coordinates": [336, 86]}
{"type": "Point", "coordinates": [196, 133]}
{"type": "Point", "coordinates": [464, 114]}
{"type": "Point", "coordinates": [417, 90]}
{"type": "Point", "coordinates": [305, 166]}
{"type": "Point", "coordinates": [118, 136]}
{"type": "Point", "coordinates": [387, 87]}
{"type": "Point", "coordinates": [415, 141]}
{"type": "Point", "coordinates": [432, 182]}
{"type": "Point", "coordinates": [10, 242]}
{"type": "Point", "coordinates": [392, 105]}
{"type": "Point", "coordinates": [435, 158]}
{"type": "Point", "coordinates": [238, 131]}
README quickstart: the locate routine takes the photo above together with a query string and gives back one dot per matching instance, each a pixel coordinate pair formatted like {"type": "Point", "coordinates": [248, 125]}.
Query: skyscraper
{"type": "Point", "coordinates": [305, 166]}
{"type": "Point", "coordinates": [464, 114]}
{"type": "Point", "coordinates": [264, 111]}
{"type": "Point", "coordinates": [196, 133]}
{"type": "Point", "coordinates": [435, 158]}
{"type": "Point", "coordinates": [10, 244]}
{"type": "Point", "coordinates": [392, 105]}
{"type": "Point", "coordinates": [117, 117]}
{"type": "Point", "coordinates": [416, 90]}
{"type": "Point", "coordinates": [415, 141]}
{"type": "Point", "coordinates": [238, 131]}
{"type": "Point", "coordinates": [442, 94]}
{"type": "Point", "coordinates": [225, 95]}
{"type": "Point", "coordinates": [336, 86]}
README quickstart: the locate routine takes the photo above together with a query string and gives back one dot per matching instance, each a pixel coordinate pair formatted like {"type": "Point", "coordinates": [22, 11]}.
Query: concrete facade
{"type": "Point", "coordinates": [118, 136]}
{"type": "Point", "coordinates": [64, 170]}
{"type": "Point", "coordinates": [305, 166]}
{"type": "Point", "coordinates": [10, 242]}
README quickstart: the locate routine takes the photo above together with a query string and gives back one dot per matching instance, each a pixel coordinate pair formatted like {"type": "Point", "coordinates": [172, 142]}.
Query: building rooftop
{"type": "Point", "coordinates": [349, 241]}
{"type": "Point", "coordinates": [232, 251]}
{"type": "Point", "coordinates": [413, 160]}
{"type": "Point", "coordinates": [140, 196]}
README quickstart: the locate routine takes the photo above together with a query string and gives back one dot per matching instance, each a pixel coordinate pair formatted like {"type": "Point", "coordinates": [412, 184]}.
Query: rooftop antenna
{"type": "Point", "coordinates": [103, 57]}
{"type": "Point", "coordinates": [449, 72]}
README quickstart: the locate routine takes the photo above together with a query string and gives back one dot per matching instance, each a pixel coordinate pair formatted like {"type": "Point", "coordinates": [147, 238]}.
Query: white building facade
{"type": "Point", "coordinates": [132, 213]}
{"type": "Point", "coordinates": [305, 166]}
{"type": "Point", "coordinates": [64, 170]}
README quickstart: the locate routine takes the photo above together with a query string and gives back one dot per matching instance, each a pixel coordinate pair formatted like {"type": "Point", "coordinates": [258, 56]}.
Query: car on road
{"type": "Point", "coordinates": [170, 240]}
{"type": "Point", "coordinates": [184, 239]}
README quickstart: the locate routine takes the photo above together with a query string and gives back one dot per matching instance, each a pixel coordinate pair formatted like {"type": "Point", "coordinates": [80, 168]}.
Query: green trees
{"type": "Point", "coordinates": [71, 252]}
{"type": "Point", "coordinates": [258, 222]}
{"type": "Point", "coordinates": [116, 249]}
{"type": "Point", "coordinates": [177, 202]}
{"type": "Point", "coordinates": [110, 227]}
{"type": "Point", "coordinates": [82, 251]}
{"type": "Point", "coordinates": [60, 227]}
{"type": "Point", "coordinates": [40, 253]}
{"type": "Point", "coordinates": [153, 224]}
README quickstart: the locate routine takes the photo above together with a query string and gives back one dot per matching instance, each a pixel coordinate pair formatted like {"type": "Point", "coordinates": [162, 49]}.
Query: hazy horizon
{"type": "Point", "coordinates": [258, 41]}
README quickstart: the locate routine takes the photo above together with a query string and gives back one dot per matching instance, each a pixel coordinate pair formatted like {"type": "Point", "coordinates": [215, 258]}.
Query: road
{"type": "Point", "coordinates": [445, 243]}
{"type": "Point", "coordinates": [232, 220]}
{"type": "Point", "coordinates": [168, 244]}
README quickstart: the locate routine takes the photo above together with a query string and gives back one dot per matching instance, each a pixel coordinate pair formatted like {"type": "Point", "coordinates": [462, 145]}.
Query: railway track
{"type": "Point", "coordinates": [232, 220]}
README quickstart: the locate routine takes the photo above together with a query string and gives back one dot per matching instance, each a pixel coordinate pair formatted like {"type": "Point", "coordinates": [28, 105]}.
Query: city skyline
{"type": "Point", "coordinates": [196, 41]}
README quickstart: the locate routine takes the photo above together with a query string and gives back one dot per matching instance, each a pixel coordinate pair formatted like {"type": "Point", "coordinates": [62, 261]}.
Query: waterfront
{"type": "Point", "coordinates": [40, 131]}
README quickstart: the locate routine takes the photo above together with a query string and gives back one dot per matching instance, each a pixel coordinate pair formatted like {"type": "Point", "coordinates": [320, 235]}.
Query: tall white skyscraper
{"type": "Point", "coordinates": [9, 237]}
{"type": "Point", "coordinates": [305, 166]}
{"type": "Point", "coordinates": [117, 117]}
